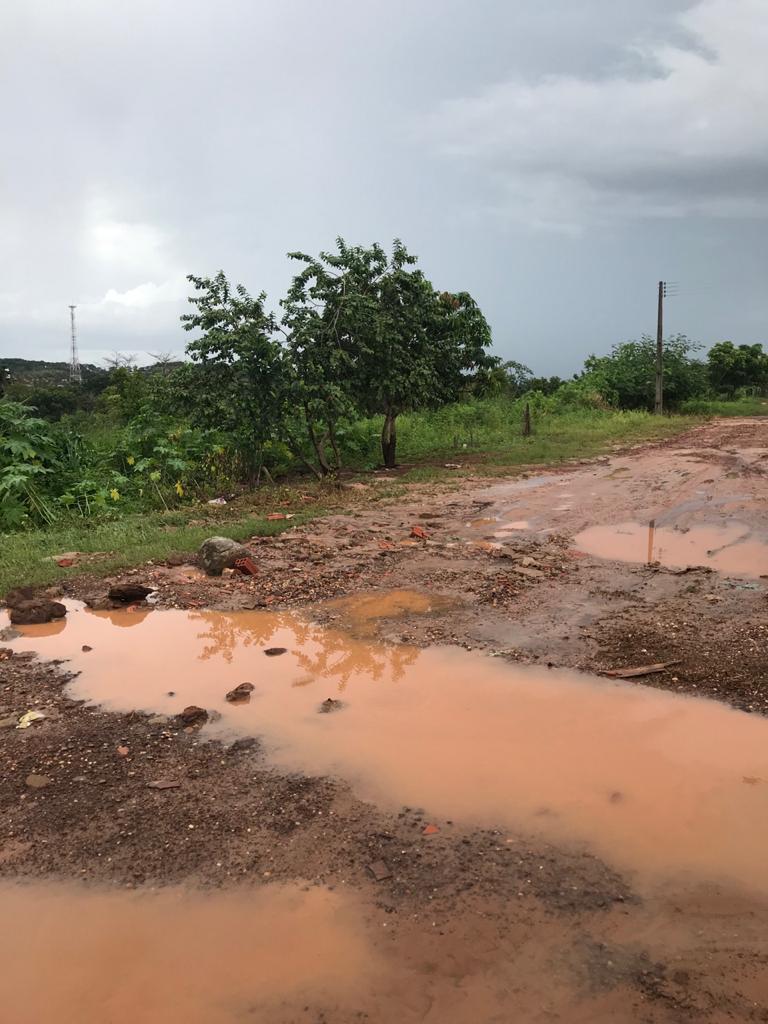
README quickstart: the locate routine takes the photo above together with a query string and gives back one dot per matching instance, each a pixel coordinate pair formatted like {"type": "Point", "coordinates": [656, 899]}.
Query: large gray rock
{"type": "Point", "coordinates": [219, 553]}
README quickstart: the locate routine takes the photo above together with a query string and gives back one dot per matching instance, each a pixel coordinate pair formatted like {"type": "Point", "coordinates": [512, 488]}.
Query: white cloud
{"type": "Point", "coordinates": [689, 137]}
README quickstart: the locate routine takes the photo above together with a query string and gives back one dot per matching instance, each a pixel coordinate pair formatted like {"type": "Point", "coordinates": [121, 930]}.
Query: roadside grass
{"type": "Point", "coordinates": [493, 447]}
{"type": "Point", "coordinates": [556, 438]}
{"type": "Point", "coordinates": [737, 407]}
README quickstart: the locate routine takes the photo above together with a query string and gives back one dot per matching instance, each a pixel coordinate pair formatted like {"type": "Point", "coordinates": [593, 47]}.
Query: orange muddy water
{"type": "Point", "coordinates": [74, 955]}
{"type": "Point", "coordinates": [728, 549]}
{"type": "Point", "coordinates": [655, 783]}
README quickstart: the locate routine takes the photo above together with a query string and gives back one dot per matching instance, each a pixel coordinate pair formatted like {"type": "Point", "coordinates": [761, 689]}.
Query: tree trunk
{"type": "Point", "coordinates": [335, 447]}
{"type": "Point", "coordinates": [317, 445]}
{"type": "Point", "coordinates": [389, 439]}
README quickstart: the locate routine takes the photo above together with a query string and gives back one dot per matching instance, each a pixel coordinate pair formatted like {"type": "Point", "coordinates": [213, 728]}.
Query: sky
{"type": "Point", "coordinates": [554, 159]}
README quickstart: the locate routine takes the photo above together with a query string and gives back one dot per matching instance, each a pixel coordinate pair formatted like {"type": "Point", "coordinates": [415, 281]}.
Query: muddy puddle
{"type": "Point", "coordinates": [731, 550]}
{"type": "Point", "coordinates": [74, 955]}
{"type": "Point", "coordinates": [652, 782]}
{"type": "Point", "coordinates": [363, 612]}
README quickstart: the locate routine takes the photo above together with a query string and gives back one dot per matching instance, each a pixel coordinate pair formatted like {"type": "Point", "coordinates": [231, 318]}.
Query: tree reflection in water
{"type": "Point", "coordinates": [318, 653]}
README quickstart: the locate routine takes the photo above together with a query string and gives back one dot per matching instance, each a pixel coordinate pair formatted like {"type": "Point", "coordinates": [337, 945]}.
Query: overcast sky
{"type": "Point", "coordinates": [553, 158]}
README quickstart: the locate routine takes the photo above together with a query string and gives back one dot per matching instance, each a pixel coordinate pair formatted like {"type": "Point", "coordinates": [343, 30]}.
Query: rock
{"type": "Point", "coordinates": [240, 694]}
{"type": "Point", "coordinates": [219, 553]}
{"type": "Point", "coordinates": [19, 595]}
{"type": "Point", "coordinates": [176, 558]}
{"type": "Point", "coordinates": [329, 704]}
{"type": "Point", "coordinates": [380, 870]}
{"type": "Point", "coordinates": [128, 593]}
{"type": "Point", "coordinates": [9, 634]}
{"type": "Point", "coordinates": [38, 781]}
{"type": "Point", "coordinates": [36, 611]}
{"type": "Point", "coordinates": [85, 648]}
{"type": "Point", "coordinates": [163, 784]}
{"type": "Point", "coordinates": [273, 652]}
{"type": "Point", "coordinates": [9, 722]}
{"type": "Point", "coordinates": [193, 715]}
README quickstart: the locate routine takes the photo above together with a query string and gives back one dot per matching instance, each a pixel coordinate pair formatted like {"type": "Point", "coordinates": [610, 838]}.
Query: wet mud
{"type": "Point", "coordinates": [473, 739]}
{"type": "Point", "coordinates": [465, 837]}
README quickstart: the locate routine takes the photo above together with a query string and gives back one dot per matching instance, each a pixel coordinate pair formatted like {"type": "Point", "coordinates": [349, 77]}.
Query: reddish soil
{"type": "Point", "coordinates": [477, 928]}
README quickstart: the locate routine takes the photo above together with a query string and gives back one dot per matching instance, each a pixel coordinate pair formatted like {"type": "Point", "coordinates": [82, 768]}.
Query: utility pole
{"type": "Point", "coordinates": [658, 407]}
{"type": "Point", "coordinates": [75, 375]}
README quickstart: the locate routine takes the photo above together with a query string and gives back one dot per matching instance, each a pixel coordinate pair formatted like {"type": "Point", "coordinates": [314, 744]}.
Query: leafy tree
{"type": "Point", "coordinates": [546, 385]}
{"type": "Point", "coordinates": [730, 368]}
{"type": "Point", "coordinates": [239, 378]}
{"type": "Point", "coordinates": [384, 336]}
{"type": "Point", "coordinates": [626, 378]}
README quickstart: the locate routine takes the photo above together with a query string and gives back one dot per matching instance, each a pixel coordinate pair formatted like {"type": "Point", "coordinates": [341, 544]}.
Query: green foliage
{"type": "Point", "coordinates": [626, 377]}
{"type": "Point", "coordinates": [241, 379]}
{"type": "Point", "coordinates": [27, 453]}
{"type": "Point", "coordinates": [373, 329]}
{"type": "Point", "coordinates": [731, 368]}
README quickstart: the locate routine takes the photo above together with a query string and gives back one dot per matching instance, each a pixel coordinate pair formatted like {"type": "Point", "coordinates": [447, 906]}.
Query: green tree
{"type": "Point", "coordinates": [238, 380]}
{"type": "Point", "coordinates": [626, 377]}
{"type": "Point", "coordinates": [730, 367]}
{"type": "Point", "coordinates": [385, 338]}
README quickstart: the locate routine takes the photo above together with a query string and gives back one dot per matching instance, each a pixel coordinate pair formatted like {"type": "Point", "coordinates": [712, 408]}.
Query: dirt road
{"type": "Point", "coordinates": [454, 837]}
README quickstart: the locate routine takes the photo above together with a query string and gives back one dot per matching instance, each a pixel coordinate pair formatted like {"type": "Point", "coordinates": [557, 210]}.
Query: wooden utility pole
{"type": "Point", "coordinates": [658, 407]}
{"type": "Point", "coordinates": [527, 420]}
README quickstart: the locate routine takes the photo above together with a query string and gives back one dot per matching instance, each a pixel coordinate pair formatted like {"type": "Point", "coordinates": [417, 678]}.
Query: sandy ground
{"type": "Point", "coordinates": [463, 923]}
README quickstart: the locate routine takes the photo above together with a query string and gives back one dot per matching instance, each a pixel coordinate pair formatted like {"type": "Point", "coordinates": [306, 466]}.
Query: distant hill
{"type": "Point", "coordinates": [42, 373]}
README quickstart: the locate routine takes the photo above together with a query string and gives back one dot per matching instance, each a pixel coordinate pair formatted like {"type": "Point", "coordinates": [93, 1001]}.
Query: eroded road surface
{"type": "Point", "coordinates": [436, 799]}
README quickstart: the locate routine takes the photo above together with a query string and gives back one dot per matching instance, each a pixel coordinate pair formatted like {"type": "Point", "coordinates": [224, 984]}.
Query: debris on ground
{"type": "Point", "coordinates": [380, 870]}
{"type": "Point", "coordinates": [29, 718]}
{"type": "Point", "coordinates": [329, 704]}
{"type": "Point", "coordinates": [246, 567]}
{"type": "Point", "coordinates": [217, 501]}
{"type": "Point", "coordinates": [640, 670]}
{"type": "Point", "coordinates": [219, 553]}
{"type": "Point", "coordinates": [163, 784]}
{"type": "Point", "coordinates": [240, 694]}
{"type": "Point", "coordinates": [430, 830]}
{"type": "Point", "coordinates": [35, 781]}
{"type": "Point", "coordinates": [419, 532]}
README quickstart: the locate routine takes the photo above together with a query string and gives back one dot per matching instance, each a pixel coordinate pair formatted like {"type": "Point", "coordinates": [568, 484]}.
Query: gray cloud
{"type": "Point", "coordinates": [556, 160]}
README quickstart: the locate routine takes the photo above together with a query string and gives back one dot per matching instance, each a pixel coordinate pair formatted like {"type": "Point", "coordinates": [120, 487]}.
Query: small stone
{"type": "Point", "coordinates": [380, 870]}
{"type": "Point", "coordinates": [85, 648]}
{"type": "Point", "coordinates": [241, 693]}
{"type": "Point", "coordinates": [128, 593]}
{"type": "Point", "coordinates": [163, 784]}
{"type": "Point", "coordinates": [273, 652]}
{"type": "Point", "coordinates": [430, 830]}
{"type": "Point", "coordinates": [193, 715]}
{"type": "Point", "coordinates": [38, 781]}
{"type": "Point", "coordinates": [329, 704]}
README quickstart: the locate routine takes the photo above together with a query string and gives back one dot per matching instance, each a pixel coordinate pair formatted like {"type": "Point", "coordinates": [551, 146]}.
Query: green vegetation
{"type": "Point", "coordinates": [366, 362]}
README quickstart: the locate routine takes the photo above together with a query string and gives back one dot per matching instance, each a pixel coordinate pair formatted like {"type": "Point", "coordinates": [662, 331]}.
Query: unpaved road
{"type": "Point", "coordinates": [466, 838]}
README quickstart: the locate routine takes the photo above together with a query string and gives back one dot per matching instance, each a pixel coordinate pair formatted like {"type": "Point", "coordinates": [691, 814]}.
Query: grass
{"type": "Point", "coordinates": [483, 436]}
{"type": "Point", "coordinates": [736, 407]}
{"type": "Point", "coordinates": [138, 537]}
